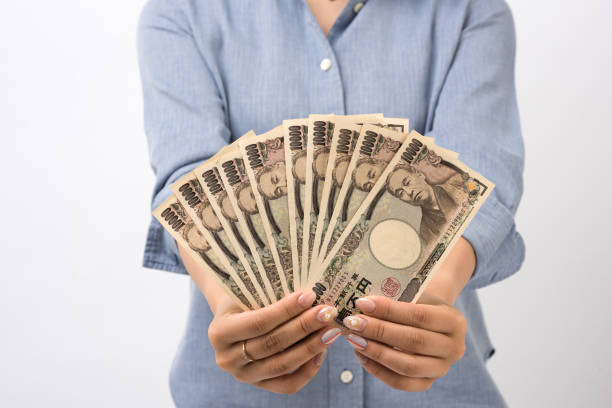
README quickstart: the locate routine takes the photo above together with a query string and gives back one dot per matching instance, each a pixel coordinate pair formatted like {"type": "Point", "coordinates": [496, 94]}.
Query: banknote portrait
{"type": "Point", "coordinates": [272, 184]}
{"type": "Point", "coordinates": [438, 202]}
{"type": "Point", "coordinates": [272, 181]}
{"type": "Point", "coordinates": [319, 167]}
{"type": "Point", "coordinates": [208, 217]}
{"type": "Point", "coordinates": [298, 170]}
{"type": "Point", "coordinates": [339, 171]}
{"type": "Point", "coordinates": [366, 173]}
{"type": "Point", "coordinates": [248, 205]}
{"type": "Point", "coordinates": [227, 209]}
{"type": "Point", "coordinates": [246, 199]}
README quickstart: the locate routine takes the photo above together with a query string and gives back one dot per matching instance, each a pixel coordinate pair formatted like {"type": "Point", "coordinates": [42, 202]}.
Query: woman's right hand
{"type": "Point", "coordinates": [288, 341]}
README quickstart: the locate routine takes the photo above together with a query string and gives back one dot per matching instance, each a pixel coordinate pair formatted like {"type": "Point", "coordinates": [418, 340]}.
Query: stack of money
{"type": "Point", "coordinates": [345, 206]}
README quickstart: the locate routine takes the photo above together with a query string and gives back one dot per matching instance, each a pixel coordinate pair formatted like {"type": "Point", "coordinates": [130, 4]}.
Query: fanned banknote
{"type": "Point", "coordinates": [241, 206]}
{"type": "Point", "coordinates": [405, 226]}
{"type": "Point", "coordinates": [321, 128]}
{"type": "Point", "coordinates": [295, 132]}
{"type": "Point", "coordinates": [203, 249]}
{"type": "Point", "coordinates": [344, 205]}
{"type": "Point", "coordinates": [374, 149]}
{"type": "Point", "coordinates": [190, 192]}
{"type": "Point", "coordinates": [264, 160]}
{"type": "Point", "coordinates": [345, 130]}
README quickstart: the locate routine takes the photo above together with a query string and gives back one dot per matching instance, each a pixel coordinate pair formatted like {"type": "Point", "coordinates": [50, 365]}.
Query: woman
{"type": "Point", "coordinates": [213, 70]}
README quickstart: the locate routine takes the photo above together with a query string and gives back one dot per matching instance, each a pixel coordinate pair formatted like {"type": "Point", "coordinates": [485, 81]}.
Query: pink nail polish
{"type": "Point", "coordinates": [327, 314]}
{"type": "Point", "coordinates": [366, 305]}
{"type": "Point", "coordinates": [306, 299]}
{"type": "Point", "coordinates": [355, 323]}
{"type": "Point", "coordinates": [330, 336]}
{"type": "Point", "coordinates": [357, 342]}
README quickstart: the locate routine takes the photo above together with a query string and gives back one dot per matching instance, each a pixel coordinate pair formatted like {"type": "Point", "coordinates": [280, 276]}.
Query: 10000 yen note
{"type": "Point", "coordinates": [403, 229]}
{"type": "Point", "coordinates": [264, 159]}
{"type": "Point", "coordinates": [333, 165]}
{"type": "Point", "coordinates": [202, 248]}
{"type": "Point", "coordinates": [374, 149]}
{"type": "Point", "coordinates": [295, 132]}
{"type": "Point", "coordinates": [319, 140]}
{"type": "Point", "coordinates": [341, 150]}
{"type": "Point", "coordinates": [188, 190]}
{"type": "Point", "coordinates": [240, 206]}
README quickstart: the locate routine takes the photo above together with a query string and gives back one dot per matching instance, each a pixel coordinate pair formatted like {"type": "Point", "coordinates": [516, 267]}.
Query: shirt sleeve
{"type": "Point", "coordinates": [476, 115]}
{"type": "Point", "coordinates": [184, 117]}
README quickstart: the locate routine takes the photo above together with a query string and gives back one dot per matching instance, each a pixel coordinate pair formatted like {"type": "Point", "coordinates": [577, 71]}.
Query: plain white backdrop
{"type": "Point", "coordinates": [83, 324]}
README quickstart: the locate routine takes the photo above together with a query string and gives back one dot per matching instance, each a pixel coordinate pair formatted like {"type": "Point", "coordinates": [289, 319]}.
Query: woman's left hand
{"type": "Point", "coordinates": [405, 345]}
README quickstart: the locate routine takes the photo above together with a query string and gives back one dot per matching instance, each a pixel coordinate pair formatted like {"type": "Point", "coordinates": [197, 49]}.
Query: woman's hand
{"type": "Point", "coordinates": [405, 345]}
{"type": "Point", "coordinates": [288, 341]}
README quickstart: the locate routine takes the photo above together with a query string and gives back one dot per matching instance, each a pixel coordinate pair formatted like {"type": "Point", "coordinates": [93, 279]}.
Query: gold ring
{"type": "Point", "coordinates": [245, 354]}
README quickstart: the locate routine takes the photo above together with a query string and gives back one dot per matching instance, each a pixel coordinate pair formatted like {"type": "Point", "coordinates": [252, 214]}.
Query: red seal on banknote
{"type": "Point", "coordinates": [390, 287]}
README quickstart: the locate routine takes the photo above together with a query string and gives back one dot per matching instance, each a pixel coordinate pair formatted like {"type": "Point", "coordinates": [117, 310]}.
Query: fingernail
{"type": "Point", "coordinates": [320, 358]}
{"type": "Point", "coordinates": [366, 305]}
{"type": "Point", "coordinates": [327, 314]}
{"type": "Point", "coordinates": [357, 342]}
{"type": "Point", "coordinates": [330, 336]}
{"type": "Point", "coordinates": [306, 299]}
{"type": "Point", "coordinates": [362, 359]}
{"type": "Point", "coordinates": [355, 323]}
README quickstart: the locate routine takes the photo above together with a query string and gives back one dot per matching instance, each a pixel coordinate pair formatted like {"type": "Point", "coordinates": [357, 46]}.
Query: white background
{"type": "Point", "coordinates": [82, 324]}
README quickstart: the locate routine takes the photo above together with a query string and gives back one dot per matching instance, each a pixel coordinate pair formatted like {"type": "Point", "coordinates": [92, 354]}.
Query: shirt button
{"type": "Point", "coordinates": [326, 64]}
{"type": "Point", "coordinates": [346, 376]}
{"type": "Point", "coordinates": [357, 7]}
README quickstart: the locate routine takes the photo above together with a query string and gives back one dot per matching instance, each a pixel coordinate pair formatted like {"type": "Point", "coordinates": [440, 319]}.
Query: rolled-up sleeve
{"type": "Point", "coordinates": [184, 117]}
{"type": "Point", "coordinates": [476, 114]}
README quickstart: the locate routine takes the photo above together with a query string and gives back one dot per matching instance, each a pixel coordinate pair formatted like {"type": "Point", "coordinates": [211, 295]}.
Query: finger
{"type": "Point", "coordinates": [246, 325]}
{"type": "Point", "coordinates": [391, 378]}
{"type": "Point", "coordinates": [407, 338]}
{"type": "Point", "coordinates": [289, 333]}
{"type": "Point", "coordinates": [290, 359]}
{"type": "Point", "coordinates": [409, 365]}
{"type": "Point", "coordinates": [438, 318]}
{"type": "Point", "coordinates": [292, 383]}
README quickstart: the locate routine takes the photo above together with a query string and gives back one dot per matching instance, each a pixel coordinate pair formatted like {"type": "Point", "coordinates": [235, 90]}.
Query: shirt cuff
{"type": "Point", "coordinates": [491, 228]}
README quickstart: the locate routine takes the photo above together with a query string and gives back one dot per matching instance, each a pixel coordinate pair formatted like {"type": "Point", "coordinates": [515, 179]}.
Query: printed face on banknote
{"type": "Point", "coordinates": [272, 181]}
{"type": "Point", "coordinates": [264, 158]}
{"type": "Point", "coordinates": [367, 172]}
{"type": "Point", "coordinates": [403, 228]}
{"type": "Point", "coordinates": [339, 171]}
{"type": "Point", "coordinates": [209, 218]}
{"type": "Point", "coordinates": [226, 207]}
{"type": "Point", "coordinates": [409, 185]}
{"type": "Point", "coordinates": [319, 165]}
{"type": "Point", "coordinates": [246, 199]}
{"type": "Point", "coordinates": [195, 239]}
{"type": "Point", "coordinates": [175, 219]}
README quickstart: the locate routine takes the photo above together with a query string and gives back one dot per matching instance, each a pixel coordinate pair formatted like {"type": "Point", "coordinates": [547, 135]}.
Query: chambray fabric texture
{"type": "Point", "coordinates": [212, 70]}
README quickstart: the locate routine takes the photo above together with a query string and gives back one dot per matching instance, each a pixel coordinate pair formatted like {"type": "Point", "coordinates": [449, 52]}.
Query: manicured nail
{"type": "Point", "coordinates": [327, 314]}
{"type": "Point", "coordinates": [320, 358]}
{"type": "Point", "coordinates": [366, 305]}
{"type": "Point", "coordinates": [330, 336]}
{"type": "Point", "coordinates": [362, 359]}
{"type": "Point", "coordinates": [355, 323]}
{"type": "Point", "coordinates": [357, 342]}
{"type": "Point", "coordinates": [306, 299]}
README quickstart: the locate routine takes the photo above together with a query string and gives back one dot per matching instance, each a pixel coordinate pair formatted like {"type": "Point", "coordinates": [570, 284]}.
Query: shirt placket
{"type": "Point", "coordinates": [345, 375]}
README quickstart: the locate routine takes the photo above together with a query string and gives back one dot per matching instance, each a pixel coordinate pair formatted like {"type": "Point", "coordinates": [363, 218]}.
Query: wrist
{"type": "Point", "coordinates": [454, 273]}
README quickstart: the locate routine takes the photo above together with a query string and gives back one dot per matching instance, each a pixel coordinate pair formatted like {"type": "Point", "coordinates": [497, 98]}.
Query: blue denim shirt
{"type": "Point", "coordinates": [212, 70]}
